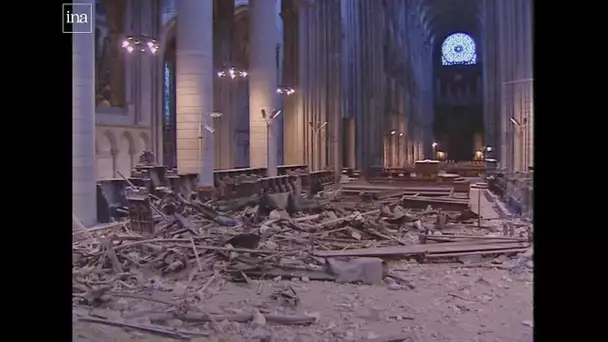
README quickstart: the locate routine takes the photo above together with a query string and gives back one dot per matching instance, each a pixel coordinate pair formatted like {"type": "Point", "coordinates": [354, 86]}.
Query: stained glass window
{"type": "Point", "coordinates": [168, 90]}
{"type": "Point", "coordinates": [458, 49]}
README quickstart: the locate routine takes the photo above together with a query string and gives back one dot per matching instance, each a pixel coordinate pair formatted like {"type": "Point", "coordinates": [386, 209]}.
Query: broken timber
{"type": "Point", "coordinates": [449, 204]}
{"type": "Point", "coordinates": [433, 249]}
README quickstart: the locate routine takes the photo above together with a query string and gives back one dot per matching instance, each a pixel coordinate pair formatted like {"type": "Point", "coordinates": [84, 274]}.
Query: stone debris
{"type": "Point", "coordinates": [156, 281]}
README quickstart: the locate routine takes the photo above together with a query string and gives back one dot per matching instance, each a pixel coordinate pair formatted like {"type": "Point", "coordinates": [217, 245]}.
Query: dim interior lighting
{"type": "Point", "coordinates": [515, 122]}
{"type": "Point", "coordinates": [401, 134]}
{"type": "Point", "coordinates": [285, 91]}
{"type": "Point", "coordinates": [434, 144]}
{"type": "Point", "coordinates": [393, 132]}
{"type": "Point", "coordinates": [232, 73]}
{"type": "Point", "coordinates": [140, 44]}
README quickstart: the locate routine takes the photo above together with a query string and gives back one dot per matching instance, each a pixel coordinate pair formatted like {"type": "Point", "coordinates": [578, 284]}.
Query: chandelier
{"type": "Point", "coordinates": [142, 44]}
{"type": "Point", "coordinates": [232, 73]}
{"type": "Point", "coordinates": [284, 90]}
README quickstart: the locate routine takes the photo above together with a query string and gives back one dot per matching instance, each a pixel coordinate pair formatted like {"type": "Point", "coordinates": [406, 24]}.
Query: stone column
{"type": "Point", "coordinates": [293, 122]}
{"type": "Point", "coordinates": [116, 12]}
{"type": "Point", "coordinates": [223, 88]}
{"type": "Point", "coordinates": [529, 47]}
{"type": "Point", "coordinates": [147, 65]}
{"type": "Point", "coordinates": [84, 193]}
{"type": "Point", "coordinates": [262, 76]}
{"type": "Point", "coordinates": [194, 81]}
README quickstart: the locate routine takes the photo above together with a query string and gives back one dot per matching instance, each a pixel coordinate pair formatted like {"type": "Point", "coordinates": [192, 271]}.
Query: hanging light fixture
{"type": "Point", "coordinates": [285, 90]}
{"type": "Point", "coordinates": [231, 73]}
{"type": "Point", "coordinates": [141, 44]}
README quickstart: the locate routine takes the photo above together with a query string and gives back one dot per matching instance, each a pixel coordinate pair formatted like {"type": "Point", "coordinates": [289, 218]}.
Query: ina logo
{"type": "Point", "coordinates": [77, 18]}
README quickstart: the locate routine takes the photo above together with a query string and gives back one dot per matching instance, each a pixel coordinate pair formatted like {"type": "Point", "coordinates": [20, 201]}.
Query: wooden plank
{"type": "Point", "coordinates": [372, 188]}
{"type": "Point", "coordinates": [437, 200]}
{"type": "Point", "coordinates": [450, 204]}
{"type": "Point", "coordinates": [448, 235]}
{"type": "Point", "coordinates": [447, 247]}
{"type": "Point", "coordinates": [469, 242]}
{"type": "Point", "coordinates": [385, 194]}
{"type": "Point", "coordinates": [495, 251]}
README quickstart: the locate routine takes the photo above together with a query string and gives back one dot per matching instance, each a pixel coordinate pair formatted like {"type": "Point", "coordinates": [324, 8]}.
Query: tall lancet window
{"type": "Point", "coordinates": [459, 49]}
{"type": "Point", "coordinates": [167, 92]}
{"type": "Point", "coordinates": [169, 117]}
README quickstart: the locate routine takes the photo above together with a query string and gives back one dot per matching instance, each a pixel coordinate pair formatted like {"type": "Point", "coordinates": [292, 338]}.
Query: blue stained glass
{"type": "Point", "coordinates": [458, 49]}
{"type": "Point", "coordinates": [168, 87]}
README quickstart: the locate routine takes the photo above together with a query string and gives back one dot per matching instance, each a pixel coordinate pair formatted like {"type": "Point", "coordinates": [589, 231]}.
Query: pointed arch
{"type": "Point", "coordinates": [144, 142]}
{"type": "Point", "coordinates": [105, 143]}
{"type": "Point", "coordinates": [105, 150]}
{"type": "Point", "coordinates": [126, 153]}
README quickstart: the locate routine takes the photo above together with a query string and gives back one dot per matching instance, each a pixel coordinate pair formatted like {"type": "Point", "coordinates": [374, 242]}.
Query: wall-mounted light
{"type": "Point", "coordinates": [204, 125]}
{"type": "Point", "coordinates": [276, 113]}
{"type": "Point", "coordinates": [489, 148]}
{"type": "Point", "coordinates": [273, 115]}
{"type": "Point", "coordinates": [284, 90]}
{"type": "Point", "coordinates": [317, 128]}
{"type": "Point", "coordinates": [232, 73]}
{"type": "Point", "coordinates": [142, 44]}
{"type": "Point", "coordinates": [434, 144]}
{"type": "Point", "coordinates": [401, 134]}
{"type": "Point", "coordinates": [393, 132]}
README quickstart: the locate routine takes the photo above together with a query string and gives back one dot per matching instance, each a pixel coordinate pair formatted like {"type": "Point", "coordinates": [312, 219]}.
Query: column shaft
{"type": "Point", "coordinates": [262, 83]}
{"type": "Point", "coordinates": [84, 194]}
{"type": "Point", "coordinates": [225, 146]}
{"type": "Point", "coordinates": [194, 75]}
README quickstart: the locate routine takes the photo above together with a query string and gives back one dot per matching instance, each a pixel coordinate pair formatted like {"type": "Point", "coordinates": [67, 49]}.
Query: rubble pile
{"type": "Point", "coordinates": [185, 246]}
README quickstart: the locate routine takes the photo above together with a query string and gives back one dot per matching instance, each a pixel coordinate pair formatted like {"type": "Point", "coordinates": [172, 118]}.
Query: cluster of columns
{"type": "Point", "coordinates": [387, 90]}
{"type": "Point", "coordinates": [422, 69]}
{"type": "Point", "coordinates": [347, 61]}
{"type": "Point", "coordinates": [195, 91]}
{"type": "Point", "coordinates": [357, 59]}
{"type": "Point", "coordinates": [508, 82]}
{"type": "Point", "coordinates": [313, 116]}
{"type": "Point", "coordinates": [223, 89]}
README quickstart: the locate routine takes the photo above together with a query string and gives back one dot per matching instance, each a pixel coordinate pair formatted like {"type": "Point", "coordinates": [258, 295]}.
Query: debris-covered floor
{"type": "Point", "coordinates": [345, 265]}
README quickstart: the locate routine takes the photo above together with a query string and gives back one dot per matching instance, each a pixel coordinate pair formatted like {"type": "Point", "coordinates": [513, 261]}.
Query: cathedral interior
{"type": "Point", "coordinates": [256, 155]}
{"type": "Point", "coordinates": [343, 84]}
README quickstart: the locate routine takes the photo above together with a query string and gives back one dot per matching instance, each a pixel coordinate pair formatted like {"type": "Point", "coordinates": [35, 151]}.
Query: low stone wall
{"type": "Point", "coordinates": [516, 191]}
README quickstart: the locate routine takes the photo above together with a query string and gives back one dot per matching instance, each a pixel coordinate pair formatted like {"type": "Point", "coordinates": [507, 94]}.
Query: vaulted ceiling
{"type": "Point", "coordinates": [442, 17]}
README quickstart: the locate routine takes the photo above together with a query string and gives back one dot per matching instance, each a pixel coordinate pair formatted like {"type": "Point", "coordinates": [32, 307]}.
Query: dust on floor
{"type": "Point", "coordinates": [448, 303]}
